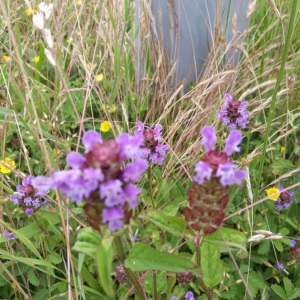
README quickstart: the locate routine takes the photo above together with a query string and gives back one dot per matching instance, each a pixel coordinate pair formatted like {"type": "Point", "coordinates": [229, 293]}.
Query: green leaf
{"type": "Point", "coordinates": [264, 247]}
{"type": "Point", "coordinates": [233, 238]}
{"type": "Point", "coordinates": [142, 257]}
{"type": "Point", "coordinates": [211, 264]}
{"type": "Point", "coordinates": [278, 245]}
{"type": "Point", "coordinates": [55, 258]}
{"type": "Point", "coordinates": [104, 258]}
{"type": "Point", "coordinates": [33, 279]}
{"type": "Point", "coordinates": [287, 286]}
{"type": "Point", "coordinates": [161, 282]}
{"type": "Point", "coordinates": [23, 239]}
{"type": "Point", "coordinates": [279, 291]}
{"type": "Point", "coordinates": [294, 294]}
{"type": "Point", "coordinates": [281, 163]}
{"type": "Point", "coordinates": [173, 225]}
{"type": "Point", "coordinates": [256, 282]}
{"type": "Point", "coordinates": [87, 241]}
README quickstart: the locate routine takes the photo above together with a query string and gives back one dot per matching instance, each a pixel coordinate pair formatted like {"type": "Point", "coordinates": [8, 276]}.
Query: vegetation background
{"type": "Point", "coordinates": [44, 111]}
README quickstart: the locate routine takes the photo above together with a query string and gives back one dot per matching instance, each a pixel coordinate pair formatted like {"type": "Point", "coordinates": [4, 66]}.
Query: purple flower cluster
{"type": "Point", "coordinates": [9, 236]}
{"type": "Point", "coordinates": [153, 150]}
{"type": "Point", "coordinates": [285, 199]}
{"type": "Point", "coordinates": [279, 265]}
{"type": "Point", "coordinates": [28, 197]}
{"type": "Point", "coordinates": [293, 243]}
{"type": "Point", "coordinates": [214, 174]}
{"type": "Point", "coordinates": [102, 179]}
{"type": "Point", "coordinates": [234, 113]}
{"type": "Point", "coordinates": [188, 296]}
{"type": "Point", "coordinates": [218, 164]}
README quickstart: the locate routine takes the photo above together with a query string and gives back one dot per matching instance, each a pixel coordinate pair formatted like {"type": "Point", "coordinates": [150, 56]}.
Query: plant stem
{"type": "Point", "coordinates": [130, 274]}
{"type": "Point", "coordinates": [150, 186]}
{"type": "Point", "coordinates": [201, 281]}
{"type": "Point", "coordinates": [155, 295]}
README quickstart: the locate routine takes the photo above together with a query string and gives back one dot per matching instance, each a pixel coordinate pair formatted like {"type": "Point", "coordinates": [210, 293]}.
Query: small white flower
{"type": "Point", "coordinates": [50, 57]}
{"type": "Point", "coordinates": [46, 9]}
{"type": "Point", "coordinates": [38, 21]}
{"type": "Point", "coordinates": [48, 37]}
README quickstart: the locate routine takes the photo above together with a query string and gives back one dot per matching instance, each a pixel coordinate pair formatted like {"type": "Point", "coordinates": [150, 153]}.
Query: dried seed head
{"type": "Point", "coordinates": [184, 277]}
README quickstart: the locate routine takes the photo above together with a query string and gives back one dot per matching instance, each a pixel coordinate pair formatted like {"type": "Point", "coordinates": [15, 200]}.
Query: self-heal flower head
{"type": "Point", "coordinates": [103, 178]}
{"type": "Point", "coordinates": [152, 146]}
{"type": "Point", "coordinates": [234, 113]}
{"type": "Point", "coordinates": [213, 175]}
{"type": "Point", "coordinates": [29, 198]}
{"type": "Point", "coordinates": [293, 243]}
{"type": "Point", "coordinates": [188, 296]}
{"type": "Point", "coordinates": [218, 163]}
{"type": "Point", "coordinates": [284, 200]}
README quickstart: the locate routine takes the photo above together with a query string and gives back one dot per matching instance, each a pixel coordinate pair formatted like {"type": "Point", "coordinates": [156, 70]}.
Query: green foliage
{"type": "Point", "coordinates": [143, 257]}
{"type": "Point", "coordinates": [211, 265]}
{"type": "Point", "coordinates": [44, 111]}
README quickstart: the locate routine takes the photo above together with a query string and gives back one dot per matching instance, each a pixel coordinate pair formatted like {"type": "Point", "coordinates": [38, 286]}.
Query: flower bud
{"type": "Point", "coordinates": [38, 21]}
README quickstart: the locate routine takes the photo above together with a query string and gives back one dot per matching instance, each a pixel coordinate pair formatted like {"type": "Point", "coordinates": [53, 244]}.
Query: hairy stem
{"type": "Point", "coordinates": [150, 186]}
{"type": "Point", "coordinates": [130, 274]}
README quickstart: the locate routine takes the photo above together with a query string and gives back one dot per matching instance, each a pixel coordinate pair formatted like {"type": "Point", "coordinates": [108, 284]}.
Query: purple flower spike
{"type": "Point", "coordinates": [285, 199]}
{"type": "Point", "coordinates": [226, 173]}
{"type": "Point", "coordinates": [189, 296]}
{"type": "Point", "coordinates": [293, 243]}
{"type": "Point", "coordinates": [102, 177]}
{"type": "Point", "coordinates": [75, 160]}
{"type": "Point", "coordinates": [112, 192]}
{"type": "Point", "coordinates": [29, 196]}
{"type": "Point", "coordinates": [112, 213]}
{"type": "Point", "coordinates": [233, 140]}
{"type": "Point", "coordinates": [152, 149]}
{"type": "Point", "coordinates": [29, 211]}
{"type": "Point", "coordinates": [90, 138]}
{"type": "Point", "coordinates": [213, 175]}
{"type": "Point", "coordinates": [133, 171]}
{"type": "Point", "coordinates": [203, 171]}
{"type": "Point", "coordinates": [209, 138]}
{"type": "Point", "coordinates": [9, 236]}
{"type": "Point", "coordinates": [174, 298]}
{"type": "Point", "coordinates": [233, 114]}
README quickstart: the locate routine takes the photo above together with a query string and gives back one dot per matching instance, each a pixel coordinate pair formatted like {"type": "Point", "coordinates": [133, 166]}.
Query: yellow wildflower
{"type": "Point", "coordinates": [89, 65]}
{"type": "Point", "coordinates": [99, 77]}
{"type": "Point", "coordinates": [36, 59]}
{"type": "Point", "coordinates": [282, 148]}
{"type": "Point", "coordinates": [6, 58]}
{"type": "Point", "coordinates": [70, 40]}
{"type": "Point", "coordinates": [28, 12]}
{"type": "Point", "coordinates": [112, 108]}
{"type": "Point", "coordinates": [273, 193]}
{"type": "Point", "coordinates": [6, 165]}
{"type": "Point", "coordinates": [78, 33]}
{"type": "Point", "coordinates": [4, 22]}
{"type": "Point", "coordinates": [78, 2]}
{"type": "Point", "coordinates": [105, 126]}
